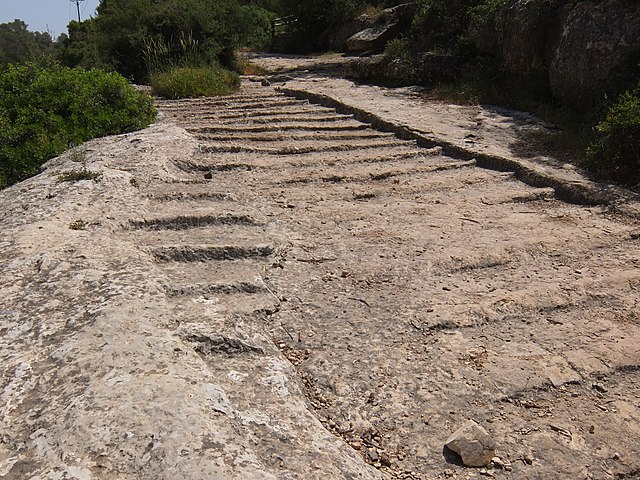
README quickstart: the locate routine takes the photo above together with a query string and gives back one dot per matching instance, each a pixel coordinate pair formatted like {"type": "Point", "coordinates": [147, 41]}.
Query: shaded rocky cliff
{"type": "Point", "coordinates": [584, 50]}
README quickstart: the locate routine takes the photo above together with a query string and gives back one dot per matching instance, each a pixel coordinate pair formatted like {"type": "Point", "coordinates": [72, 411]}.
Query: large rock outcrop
{"type": "Point", "coordinates": [600, 41]}
{"type": "Point", "coordinates": [527, 34]}
{"type": "Point", "coordinates": [386, 26]}
{"type": "Point", "coordinates": [582, 50]}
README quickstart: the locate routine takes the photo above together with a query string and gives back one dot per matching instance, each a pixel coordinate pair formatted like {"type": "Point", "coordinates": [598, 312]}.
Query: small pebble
{"type": "Point", "coordinates": [599, 387]}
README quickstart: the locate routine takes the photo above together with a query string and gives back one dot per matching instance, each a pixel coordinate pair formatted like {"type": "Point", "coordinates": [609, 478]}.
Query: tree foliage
{"type": "Point", "coordinates": [44, 110]}
{"type": "Point", "coordinates": [313, 20]}
{"type": "Point", "coordinates": [443, 24]}
{"type": "Point", "coordinates": [79, 48]}
{"type": "Point", "coordinates": [123, 29]}
{"type": "Point", "coordinates": [615, 151]}
{"type": "Point", "coordinates": [314, 23]}
{"type": "Point", "coordinates": [18, 44]}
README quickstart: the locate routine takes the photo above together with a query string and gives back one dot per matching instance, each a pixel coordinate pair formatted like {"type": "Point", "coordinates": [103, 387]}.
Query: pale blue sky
{"type": "Point", "coordinates": [46, 15]}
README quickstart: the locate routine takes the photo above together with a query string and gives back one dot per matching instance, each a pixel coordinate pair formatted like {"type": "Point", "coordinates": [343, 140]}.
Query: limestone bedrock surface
{"type": "Point", "coordinates": [260, 287]}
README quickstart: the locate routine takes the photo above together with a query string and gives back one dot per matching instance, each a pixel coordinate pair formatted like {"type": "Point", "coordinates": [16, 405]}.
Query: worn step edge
{"type": "Point", "coordinates": [372, 177]}
{"type": "Point", "coordinates": [188, 196]}
{"type": "Point", "coordinates": [192, 166]}
{"type": "Point", "coordinates": [583, 193]}
{"type": "Point", "coordinates": [277, 128]}
{"type": "Point", "coordinates": [214, 288]}
{"type": "Point", "coordinates": [283, 138]}
{"type": "Point", "coordinates": [185, 222]}
{"type": "Point", "coordinates": [292, 150]}
{"type": "Point", "coordinates": [199, 253]}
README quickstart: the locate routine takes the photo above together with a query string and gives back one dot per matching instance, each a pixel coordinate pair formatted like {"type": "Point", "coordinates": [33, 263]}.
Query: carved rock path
{"type": "Point", "coordinates": [264, 287]}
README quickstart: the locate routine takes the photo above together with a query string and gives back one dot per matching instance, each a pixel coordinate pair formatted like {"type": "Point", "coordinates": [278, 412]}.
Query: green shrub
{"type": "Point", "coordinates": [18, 44]}
{"type": "Point", "coordinates": [615, 153]}
{"type": "Point", "coordinates": [125, 29]}
{"type": "Point", "coordinates": [398, 49]}
{"type": "Point", "coordinates": [486, 11]}
{"type": "Point", "coordinates": [44, 110]}
{"type": "Point", "coordinates": [194, 82]}
{"type": "Point", "coordinates": [315, 21]}
{"type": "Point", "coordinates": [444, 25]}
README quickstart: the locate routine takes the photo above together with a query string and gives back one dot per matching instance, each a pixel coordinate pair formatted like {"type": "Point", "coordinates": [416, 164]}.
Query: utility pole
{"type": "Point", "coordinates": [77, 2]}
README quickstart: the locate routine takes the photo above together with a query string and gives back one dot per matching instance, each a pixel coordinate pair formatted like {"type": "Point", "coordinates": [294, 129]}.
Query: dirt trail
{"type": "Point", "coordinates": [302, 296]}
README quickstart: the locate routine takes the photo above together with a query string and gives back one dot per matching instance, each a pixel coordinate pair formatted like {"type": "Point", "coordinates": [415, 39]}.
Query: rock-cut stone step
{"type": "Point", "coordinates": [207, 253]}
{"type": "Point", "coordinates": [301, 148]}
{"type": "Point", "coordinates": [219, 287]}
{"type": "Point", "coordinates": [293, 136]}
{"type": "Point", "coordinates": [185, 222]}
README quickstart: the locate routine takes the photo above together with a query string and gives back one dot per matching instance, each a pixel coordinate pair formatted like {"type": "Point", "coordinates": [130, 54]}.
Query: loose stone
{"type": "Point", "coordinates": [474, 445]}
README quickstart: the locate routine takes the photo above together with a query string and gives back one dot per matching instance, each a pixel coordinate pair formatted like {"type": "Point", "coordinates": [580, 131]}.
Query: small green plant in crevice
{"type": "Point", "coordinates": [77, 175]}
{"type": "Point", "coordinates": [615, 152]}
{"type": "Point", "coordinates": [78, 225]}
{"type": "Point", "coordinates": [78, 154]}
{"type": "Point", "coordinates": [398, 49]}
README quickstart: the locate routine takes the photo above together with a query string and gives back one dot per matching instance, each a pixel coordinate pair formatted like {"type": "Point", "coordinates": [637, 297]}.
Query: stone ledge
{"type": "Point", "coordinates": [568, 186]}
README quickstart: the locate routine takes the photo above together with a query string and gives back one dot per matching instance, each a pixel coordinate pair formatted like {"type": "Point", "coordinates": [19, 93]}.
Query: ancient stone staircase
{"type": "Point", "coordinates": [409, 290]}
{"type": "Point", "coordinates": [288, 293]}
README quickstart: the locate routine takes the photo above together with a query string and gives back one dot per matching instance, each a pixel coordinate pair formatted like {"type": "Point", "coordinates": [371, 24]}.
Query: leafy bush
{"type": "Point", "coordinates": [126, 29]}
{"type": "Point", "coordinates": [185, 82]}
{"type": "Point", "coordinates": [443, 25]}
{"type": "Point", "coordinates": [44, 110]}
{"type": "Point", "coordinates": [79, 48]}
{"type": "Point", "coordinates": [398, 49]}
{"type": "Point", "coordinates": [485, 12]}
{"type": "Point", "coordinates": [615, 153]}
{"type": "Point", "coordinates": [313, 20]}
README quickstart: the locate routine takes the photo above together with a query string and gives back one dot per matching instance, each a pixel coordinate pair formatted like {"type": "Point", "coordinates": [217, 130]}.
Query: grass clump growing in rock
{"type": "Point", "coordinates": [615, 152]}
{"type": "Point", "coordinates": [78, 225]}
{"type": "Point", "coordinates": [44, 109]}
{"type": "Point", "coordinates": [77, 175]}
{"type": "Point", "coordinates": [185, 82]}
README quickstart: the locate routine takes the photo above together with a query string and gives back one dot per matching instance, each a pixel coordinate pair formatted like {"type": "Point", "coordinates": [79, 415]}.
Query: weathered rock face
{"type": "Point", "coordinates": [387, 26]}
{"type": "Point", "coordinates": [527, 35]}
{"type": "Point", "coordinates": [285, 293]}
{"type": "Point", "coordinates": [578, 48]}
{"type": "Point", "coordinates": [598, 40]}
{"type": "Point", "coordinates": [380, 69]}
{"type": "Point", "coordinates": [338, 40]}
{"type": "Point", "coordinates": [100, 377]}
{"type": "Point", "coordinates": [429, 67]}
